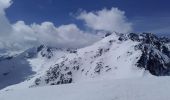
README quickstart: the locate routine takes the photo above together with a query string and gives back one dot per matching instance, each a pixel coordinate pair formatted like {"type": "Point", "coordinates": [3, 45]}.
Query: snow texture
{"type": "Point", "coordinates": [120, 89]}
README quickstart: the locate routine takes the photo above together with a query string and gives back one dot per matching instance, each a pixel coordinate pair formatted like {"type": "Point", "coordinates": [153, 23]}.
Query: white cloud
{"type": "Point", "coordinates": [5, 4]}
{"type": "Point", "coordinates": [22, 36]}
{"type": "Point", "coordinates": [5, 27]}
{"type": "Point", "coordinates": [65, 36]}
{"type": "Point", "coordinates": [107, 20]}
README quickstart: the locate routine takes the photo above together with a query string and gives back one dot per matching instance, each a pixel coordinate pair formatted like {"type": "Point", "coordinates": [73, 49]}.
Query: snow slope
{"type": "Point", "coordinates": [150, 88]}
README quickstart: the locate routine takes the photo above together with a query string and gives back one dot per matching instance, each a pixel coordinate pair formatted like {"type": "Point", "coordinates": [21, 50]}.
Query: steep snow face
{"type": "Point", "coordinates": [25, 66]}
{"type": "Point", "coordinates": [109, 58]}
{"type": "Point", "coordinates": [118, 89]}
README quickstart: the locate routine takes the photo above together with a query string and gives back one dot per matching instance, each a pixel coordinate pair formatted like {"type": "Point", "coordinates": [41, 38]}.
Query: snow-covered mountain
{"type": "Point", "coordinates": [118, 67]}
{"type": "Point", "coordinates": [116, 56]}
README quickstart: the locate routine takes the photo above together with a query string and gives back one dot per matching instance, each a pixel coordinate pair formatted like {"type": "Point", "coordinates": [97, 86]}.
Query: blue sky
{"type": "Point", "coordinates": [146, 15]}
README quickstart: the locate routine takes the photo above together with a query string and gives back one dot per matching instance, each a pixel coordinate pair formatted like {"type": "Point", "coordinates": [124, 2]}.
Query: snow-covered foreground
{"type": "Point", "coordinates": [124, 89]}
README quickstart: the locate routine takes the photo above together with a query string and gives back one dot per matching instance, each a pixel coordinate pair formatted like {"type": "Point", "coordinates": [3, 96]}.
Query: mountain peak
{"type": "Point", "coordinates": [116, 56]}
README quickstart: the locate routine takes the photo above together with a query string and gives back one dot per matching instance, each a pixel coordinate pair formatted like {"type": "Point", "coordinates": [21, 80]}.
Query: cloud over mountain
{"type": "Point", "coordinates": [106, 19]}
{"type": "Point", "coordinates": [69, 36]}
{"type": "Point", "coordinates": [22, 36]}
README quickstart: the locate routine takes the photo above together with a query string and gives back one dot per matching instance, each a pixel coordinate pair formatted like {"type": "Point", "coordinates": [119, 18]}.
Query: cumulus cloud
{"type": "Point", "coordinates": [22, 36]}
{"type": "Point", "coordinates": [65, 36]}
{"type": "Point", "coordinates": [19, 35]}
{"type": "Point", "coordinates": [5, 4]}
{"type": "Point", "coordinates": [106, 19]}
{"type": "Point", "coordinates": [69, 36]}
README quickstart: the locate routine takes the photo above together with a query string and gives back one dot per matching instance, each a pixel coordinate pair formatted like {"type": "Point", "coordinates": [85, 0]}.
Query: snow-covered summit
{"type": "Point", "coordinates": [115, 56]}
